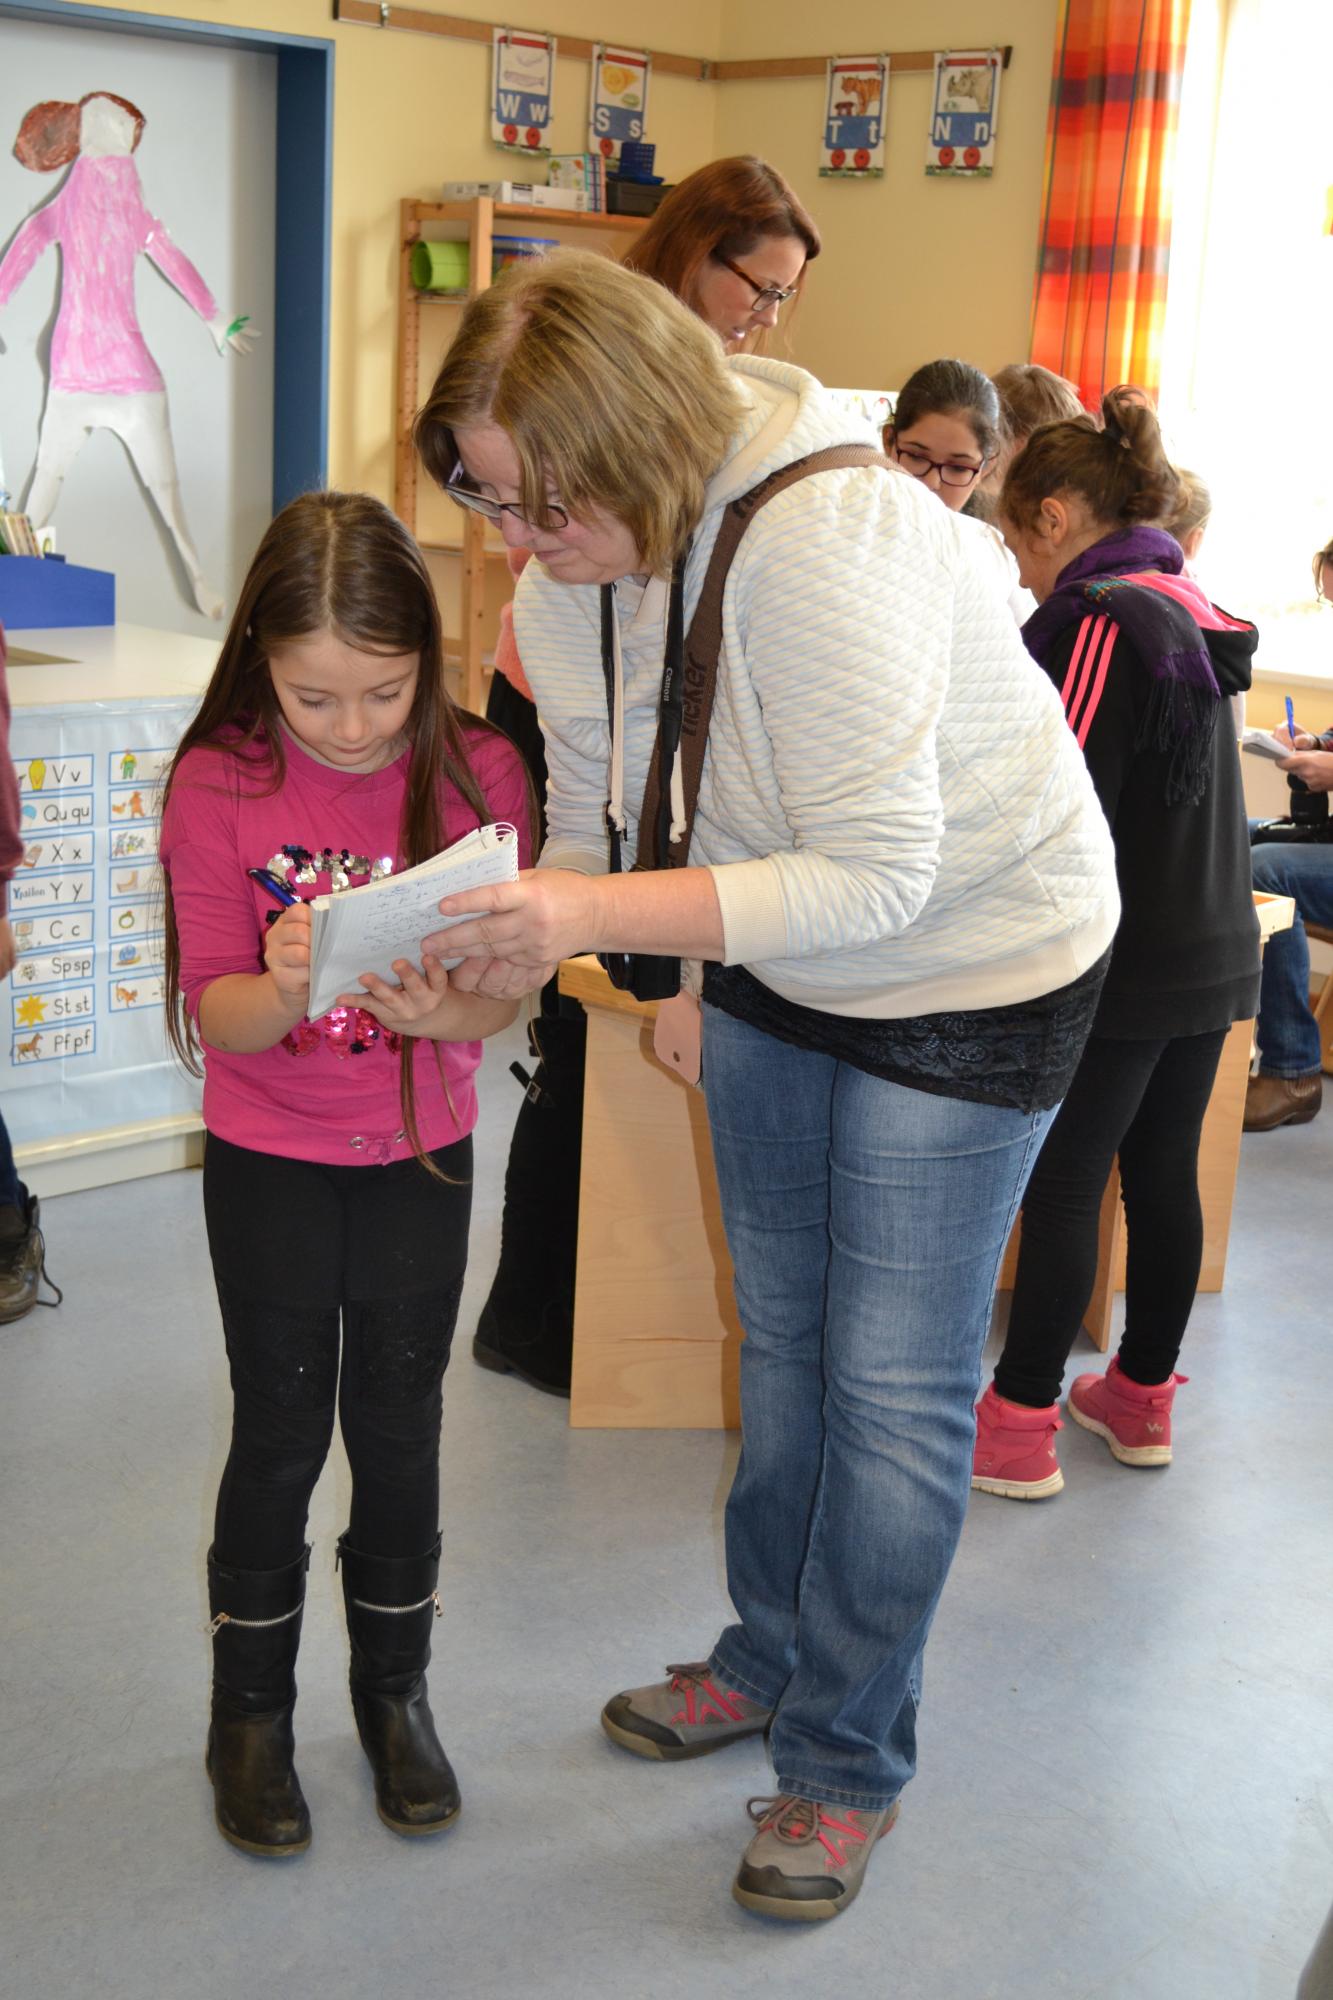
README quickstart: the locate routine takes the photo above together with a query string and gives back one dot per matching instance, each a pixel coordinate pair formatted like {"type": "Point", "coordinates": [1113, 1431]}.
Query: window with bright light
{"type": "Point", "coordinates": [1247, 387]}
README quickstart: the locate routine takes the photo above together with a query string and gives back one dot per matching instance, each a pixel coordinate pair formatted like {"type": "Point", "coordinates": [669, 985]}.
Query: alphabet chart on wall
{"type": "Point", "coordinates": [86, 1048]}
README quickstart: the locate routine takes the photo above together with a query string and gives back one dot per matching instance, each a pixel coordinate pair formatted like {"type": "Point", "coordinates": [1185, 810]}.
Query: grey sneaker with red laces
{"type": "Point", "coordinates": [686, 1715]}
{"type": "Point", "coordinates": [807, 1862]}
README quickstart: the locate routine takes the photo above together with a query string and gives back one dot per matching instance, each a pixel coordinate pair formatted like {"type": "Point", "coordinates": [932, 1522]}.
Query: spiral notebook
{"type": "Point", "coordinates": [366, 929]}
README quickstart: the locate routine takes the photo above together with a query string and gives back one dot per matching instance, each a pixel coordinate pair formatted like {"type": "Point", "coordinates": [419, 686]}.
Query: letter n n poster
{"type": "Point", "coordinates": [965, 113]}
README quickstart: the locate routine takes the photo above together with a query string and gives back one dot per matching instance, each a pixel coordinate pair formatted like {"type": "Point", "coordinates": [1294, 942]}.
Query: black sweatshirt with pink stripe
{"type": "Point", "coordinates": [1186, 956]}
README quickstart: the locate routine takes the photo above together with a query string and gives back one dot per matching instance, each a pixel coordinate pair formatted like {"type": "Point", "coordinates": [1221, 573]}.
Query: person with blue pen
{"type": "Point", "coordinates": [1294, 858]}
{"type": "Point", "coordinates": [337, 1176]}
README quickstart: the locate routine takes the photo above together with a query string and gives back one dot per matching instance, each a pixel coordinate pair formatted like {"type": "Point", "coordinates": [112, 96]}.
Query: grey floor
{"type": "Point", "coordinates": [1126, 1784]}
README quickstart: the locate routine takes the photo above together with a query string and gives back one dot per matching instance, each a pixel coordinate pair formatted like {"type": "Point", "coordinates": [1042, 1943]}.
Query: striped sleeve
{"type": "Point", "coordinates": [1092, 666]}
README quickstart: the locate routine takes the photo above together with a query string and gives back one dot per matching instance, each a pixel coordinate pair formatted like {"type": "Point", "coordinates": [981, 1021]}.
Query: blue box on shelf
{"type": "Point", "coordinates": [45, 590]}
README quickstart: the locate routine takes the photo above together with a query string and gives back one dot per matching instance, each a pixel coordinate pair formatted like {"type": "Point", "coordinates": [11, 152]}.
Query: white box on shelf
{"type": "Point", "coordinates": [521, 194]}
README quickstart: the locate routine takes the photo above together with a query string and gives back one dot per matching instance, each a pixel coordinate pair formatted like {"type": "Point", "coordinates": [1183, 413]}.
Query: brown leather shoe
{"type": "Point", "coordinates": [1271, 1101]}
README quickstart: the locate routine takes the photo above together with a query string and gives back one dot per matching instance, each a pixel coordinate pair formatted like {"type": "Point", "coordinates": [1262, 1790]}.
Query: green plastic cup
{"type": "Point", "coordinates": [440, 267]}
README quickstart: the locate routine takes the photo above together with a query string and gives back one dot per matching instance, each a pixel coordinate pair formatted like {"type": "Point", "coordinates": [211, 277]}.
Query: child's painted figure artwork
{"type": "Point", "coordinates": [102, 374]}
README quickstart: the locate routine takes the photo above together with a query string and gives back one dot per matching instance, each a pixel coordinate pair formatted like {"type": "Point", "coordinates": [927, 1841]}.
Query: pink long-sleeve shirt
{"type": "Point", "coordinates": [329, 1091]}
{"type": "Point", "coordinates": [102, 226]}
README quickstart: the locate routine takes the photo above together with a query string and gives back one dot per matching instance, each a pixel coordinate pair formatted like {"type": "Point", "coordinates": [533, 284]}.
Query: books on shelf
{"type": "Point", "coordinates": [17, 537]}
{"type": "Point", "coordinates": [520, 194]}
{"type": "Point", "coordinates": [583, 172]}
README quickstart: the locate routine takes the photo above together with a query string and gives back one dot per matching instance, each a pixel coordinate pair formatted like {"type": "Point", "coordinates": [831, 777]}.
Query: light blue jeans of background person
{"type": "Point", "coordinates": [866, 1223]}
{"type": "Point", "coordinates": [1286, 1031]}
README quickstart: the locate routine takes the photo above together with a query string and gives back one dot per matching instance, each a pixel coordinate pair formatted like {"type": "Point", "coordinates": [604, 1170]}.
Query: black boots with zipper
{"type": "Point", "coordinates": [256, 1627]}
{"type": "Point", "coordinates": [391, 1605]}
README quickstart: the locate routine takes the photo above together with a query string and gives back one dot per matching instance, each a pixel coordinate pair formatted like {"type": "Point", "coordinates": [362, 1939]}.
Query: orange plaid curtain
{"type": "Point", "coordinates": [1106, 225]}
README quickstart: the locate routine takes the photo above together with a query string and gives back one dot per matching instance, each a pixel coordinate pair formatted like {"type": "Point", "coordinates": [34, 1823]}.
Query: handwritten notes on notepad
{"type": "Point", "coordinates": [366, 929]}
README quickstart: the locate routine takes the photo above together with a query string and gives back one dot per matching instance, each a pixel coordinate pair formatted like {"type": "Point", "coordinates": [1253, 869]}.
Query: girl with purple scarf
{"type": "Point", "coordinates": [1143, 663]}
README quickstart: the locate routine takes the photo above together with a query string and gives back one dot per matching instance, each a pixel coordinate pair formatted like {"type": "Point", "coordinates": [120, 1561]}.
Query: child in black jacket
{"type": "Point", "coordinates": [1144, 665]}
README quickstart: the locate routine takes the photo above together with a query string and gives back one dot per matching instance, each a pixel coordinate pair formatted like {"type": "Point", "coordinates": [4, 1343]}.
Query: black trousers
{"type": "Point", "coordinates": [1145, 1101]}
{"type": "Point", "coordinates": [308, 1260]}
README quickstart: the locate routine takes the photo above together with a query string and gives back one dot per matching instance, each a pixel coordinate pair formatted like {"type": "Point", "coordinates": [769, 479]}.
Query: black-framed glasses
{"type": "Point", "coordinates": [920, 464]}
{"type": "Point", "coordinates": [491, 510]}
{"type": "Point", "coordinates": [764, 295]}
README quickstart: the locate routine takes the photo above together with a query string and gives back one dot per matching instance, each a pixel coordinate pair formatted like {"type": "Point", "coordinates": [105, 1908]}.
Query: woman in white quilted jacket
{"type": "Point", "coordinates": [902, 893]}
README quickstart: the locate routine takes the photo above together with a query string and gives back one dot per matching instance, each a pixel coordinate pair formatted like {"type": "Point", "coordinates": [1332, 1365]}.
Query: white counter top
{"type": "Point", "coordinates": [81, 663]}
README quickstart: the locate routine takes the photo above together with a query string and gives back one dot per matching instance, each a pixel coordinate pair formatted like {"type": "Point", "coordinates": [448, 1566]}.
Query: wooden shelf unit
{"type": "Point", "coordinates": [474, 222]}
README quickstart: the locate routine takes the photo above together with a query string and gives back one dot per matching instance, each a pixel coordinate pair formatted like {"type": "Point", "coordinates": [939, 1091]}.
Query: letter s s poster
{"type": "Point", "coordinates": [618, 109]}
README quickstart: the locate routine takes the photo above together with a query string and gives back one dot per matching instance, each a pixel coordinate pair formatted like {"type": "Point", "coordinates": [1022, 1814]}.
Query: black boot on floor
{"type": "Point", "coordinates": [526, 1326]}
{"type": "Point", "coordinates": [391, 1605]}
{"type": "Point", "coordinates": [256, 1631]}
{"type": "Point", "coordinates": [22, 1259]}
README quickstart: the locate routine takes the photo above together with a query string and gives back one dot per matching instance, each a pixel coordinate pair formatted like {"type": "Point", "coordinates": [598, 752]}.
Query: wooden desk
{"type": "Point", "coordinates": [656, 1337]}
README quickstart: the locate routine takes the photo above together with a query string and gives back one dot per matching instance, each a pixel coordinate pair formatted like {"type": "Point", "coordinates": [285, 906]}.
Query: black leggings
{"type": "Point", "coordinates": [1145, 1101]}
{"type": "Point", "coordinates": [296, 1248]}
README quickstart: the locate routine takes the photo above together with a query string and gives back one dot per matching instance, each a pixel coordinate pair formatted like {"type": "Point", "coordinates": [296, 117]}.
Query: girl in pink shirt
{"type": "Point", "coordinates": [337, 1170]}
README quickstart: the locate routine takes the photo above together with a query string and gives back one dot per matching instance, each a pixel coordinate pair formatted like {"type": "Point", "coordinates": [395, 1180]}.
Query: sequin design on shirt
{"type": "Point", "coordinates": [344, 1031]}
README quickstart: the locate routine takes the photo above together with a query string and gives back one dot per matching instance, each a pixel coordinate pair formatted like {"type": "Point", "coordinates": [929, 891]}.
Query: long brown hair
{"type": "Point", "coordinates": [721, 210]}
{"type": "Point", "coordinates": [339, 563]}
{"type": "Point", "coordinates": [1120, 468]}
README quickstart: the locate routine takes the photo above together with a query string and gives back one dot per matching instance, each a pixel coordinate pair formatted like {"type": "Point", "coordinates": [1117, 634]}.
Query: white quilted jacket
{"type": "Point", "coordinates": [896, 816]}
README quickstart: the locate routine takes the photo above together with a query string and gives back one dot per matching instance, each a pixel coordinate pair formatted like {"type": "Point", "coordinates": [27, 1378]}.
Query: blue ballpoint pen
{"type": "Point", "coordinates": [1291, 722]}
{"type": "Point", "coordinates": [273, 885]}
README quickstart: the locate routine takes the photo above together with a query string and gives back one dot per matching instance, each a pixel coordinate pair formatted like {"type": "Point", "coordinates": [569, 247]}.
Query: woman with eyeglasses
{"type": "Point", "coordinates": [733, 241]}
{"type": "Point", "coordinates": [946, 431]}
{"type": "Point", "coordinates": [902, 891]}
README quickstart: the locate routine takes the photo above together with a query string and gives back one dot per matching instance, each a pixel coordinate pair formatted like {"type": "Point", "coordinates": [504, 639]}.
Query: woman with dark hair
{"type": "Point", "coordinates": [733, 242]}
{"type": "Point", "coordinates": [1144, 664]}
{"type": "Point", "coordinates": [338, 1165]}
{"type": "Point", "coordinates": [945, 431]}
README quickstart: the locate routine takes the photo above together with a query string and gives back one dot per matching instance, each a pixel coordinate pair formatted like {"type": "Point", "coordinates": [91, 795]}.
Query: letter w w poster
{"type": "Point", "coordinates": [522, 65]}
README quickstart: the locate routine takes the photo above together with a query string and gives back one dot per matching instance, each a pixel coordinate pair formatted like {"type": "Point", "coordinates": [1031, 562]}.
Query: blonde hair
{"type": "Point", "coordinates": [1195, 509]}
{"type": "Point", "coordinates": [610, 390]}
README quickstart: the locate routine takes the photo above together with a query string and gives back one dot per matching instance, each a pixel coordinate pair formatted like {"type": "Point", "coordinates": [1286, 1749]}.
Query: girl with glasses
{"type": "Point", "coordinates": [946, 431]}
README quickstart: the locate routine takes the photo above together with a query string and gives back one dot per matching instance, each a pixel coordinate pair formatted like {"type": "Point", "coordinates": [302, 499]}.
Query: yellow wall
{"type": "Point", "coordinates": [913, 268]}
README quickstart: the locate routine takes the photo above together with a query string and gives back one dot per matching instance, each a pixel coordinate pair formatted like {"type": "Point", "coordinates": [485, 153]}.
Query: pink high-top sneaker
{"type": "Point", "coordinates": [1014, 1454]}
{"type": "Point", "coordinates": [1134, 1420]}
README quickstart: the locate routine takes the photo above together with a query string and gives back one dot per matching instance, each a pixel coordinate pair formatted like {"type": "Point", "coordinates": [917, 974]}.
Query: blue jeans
{"type": "Point", "coordinates": [866, 1223]}
{"type": "Point", "coordinates": [1287, 1033]}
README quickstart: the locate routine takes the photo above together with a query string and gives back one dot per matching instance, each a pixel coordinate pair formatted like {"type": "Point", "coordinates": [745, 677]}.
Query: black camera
{"type": "Point", "coordinates": [641, 974]}
{"type": "Point", "coordinates": [1308, 819]}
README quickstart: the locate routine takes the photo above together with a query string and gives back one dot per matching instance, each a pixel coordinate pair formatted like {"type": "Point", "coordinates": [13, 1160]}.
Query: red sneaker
{"type": "Point", "coordinates": [1014, 1454]}
{"type": "Point", "coordinates": [1134, 1420]}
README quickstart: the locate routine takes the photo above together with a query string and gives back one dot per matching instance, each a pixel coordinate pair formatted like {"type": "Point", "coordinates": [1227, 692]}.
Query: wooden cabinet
{"type": "Point", "coordinates": [467, 558]}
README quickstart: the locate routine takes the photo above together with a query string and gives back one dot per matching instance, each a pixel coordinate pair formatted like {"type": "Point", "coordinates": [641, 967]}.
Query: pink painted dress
{"type": "Point", "coordinates": [102, 226]}
{"type": "Point", "coordinates": [328, 1090]}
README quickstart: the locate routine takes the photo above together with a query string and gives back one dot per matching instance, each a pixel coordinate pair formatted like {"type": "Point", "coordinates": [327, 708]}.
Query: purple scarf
{"type": "Point", "coordinates": [1183, 704]}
